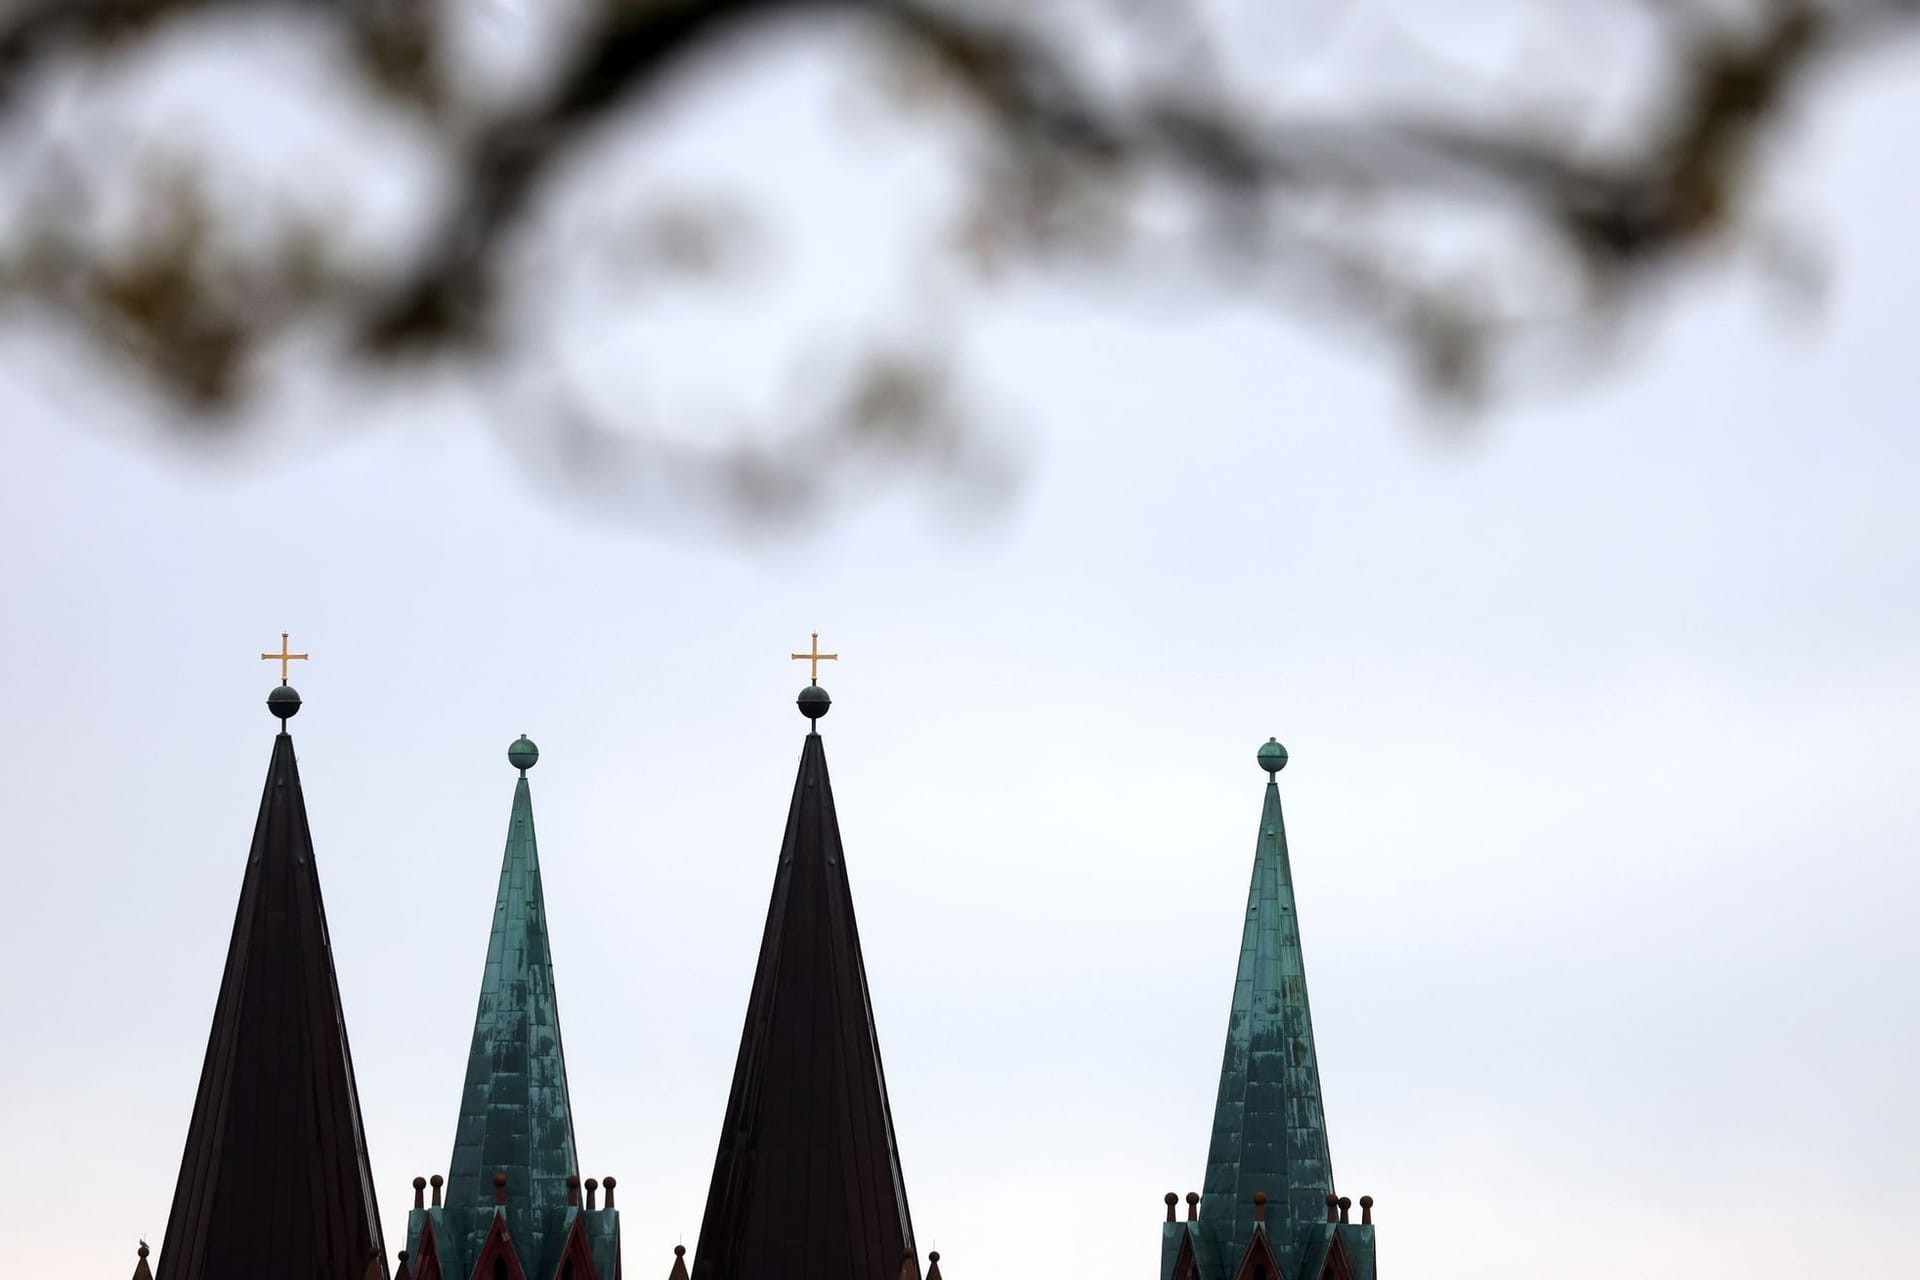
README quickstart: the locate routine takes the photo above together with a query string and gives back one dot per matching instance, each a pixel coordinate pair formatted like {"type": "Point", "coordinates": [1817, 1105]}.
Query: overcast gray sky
{"type": "Point", "coordinates": [1603, 718]}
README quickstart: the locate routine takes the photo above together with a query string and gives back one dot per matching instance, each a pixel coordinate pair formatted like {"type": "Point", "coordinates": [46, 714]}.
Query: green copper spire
{"type": "Point", "coordinates": [1269, 1133]}
{"type": "Point", "coordinates": [514, 1114]}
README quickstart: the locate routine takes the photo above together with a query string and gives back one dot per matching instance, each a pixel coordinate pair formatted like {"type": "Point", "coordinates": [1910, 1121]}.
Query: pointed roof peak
{"type": "Point", "coordinates": [513, 1149]}
{"type": "Point", "coordinates": [275, 1176]}
{"type": "Point", "coordinates": [1269, 1131]}
{"type": "Point", "coordinates": [807, 1177]}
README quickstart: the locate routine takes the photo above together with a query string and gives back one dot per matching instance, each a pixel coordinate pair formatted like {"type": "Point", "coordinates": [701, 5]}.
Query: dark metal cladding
{"type": "Point", "coordinates": [275, 1183]}
{"type": "Point", "coordinates": [807, 1182]}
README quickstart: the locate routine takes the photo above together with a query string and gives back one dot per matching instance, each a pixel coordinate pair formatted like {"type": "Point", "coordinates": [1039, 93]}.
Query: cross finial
{"type": "Point", "coordinates": [283, 657]}
{"type": "Point", "coordinates": [814, 658]}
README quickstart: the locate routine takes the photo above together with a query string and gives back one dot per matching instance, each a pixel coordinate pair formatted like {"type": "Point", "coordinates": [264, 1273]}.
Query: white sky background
{"type": "Point", "coordinates": [1603, 721]}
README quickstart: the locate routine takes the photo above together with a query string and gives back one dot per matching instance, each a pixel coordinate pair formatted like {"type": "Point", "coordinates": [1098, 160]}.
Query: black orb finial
{"type": "Point", "coordinates": [284, 702]}
{"type": "Point", "coordinates": [813, 702]}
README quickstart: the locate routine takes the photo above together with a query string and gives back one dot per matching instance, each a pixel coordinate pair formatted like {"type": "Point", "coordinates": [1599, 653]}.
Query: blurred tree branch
{"type": "Point", "coordinates": [1284, 203]}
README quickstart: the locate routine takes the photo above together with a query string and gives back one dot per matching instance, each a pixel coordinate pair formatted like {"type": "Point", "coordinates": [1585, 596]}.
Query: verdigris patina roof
{"type": "Point", "coordinates": [514, 1114]}
{"type": "Point", "coordinates": [1269, 1131]}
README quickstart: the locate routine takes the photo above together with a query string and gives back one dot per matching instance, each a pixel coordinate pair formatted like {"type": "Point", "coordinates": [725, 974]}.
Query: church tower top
{"type": "Point", "coordinates": [807, 1179]}
{"type": "Point", "coordinates": [275, 1178]}
{"type": "Point", "coordinates": [515, 1169]}
{"type": "Point", "coordinates": [1269, 1190]}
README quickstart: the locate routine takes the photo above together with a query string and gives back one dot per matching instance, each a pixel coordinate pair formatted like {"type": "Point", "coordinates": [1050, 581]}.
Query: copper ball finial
{"type": "Point", "coordinates": [1259, 1206]}
{"type": "Point", "coordinates": [679, 1251]}
{"type": "Point", "coordinates": [1366, 1211]}
{"type": "Point", "coordinates": [1172, 1200]}
{"type": "Point", "coordinates": [1345, 1205]}
{"type": "Point", "coordinates": [607, 1184]}
{"type": "Point", "coordinates": [419, 1192]}
{"type": "Point", "coordinates": [143, 1248]}
{"type": "Point", "coordinates": [1193, 1205]}
{"type": "Point", "coordinates": [1333, 1207]}
{"type": "Point", "coordinates": [437, 1182]}
{"type": "Point", "coordinates": [934, 1256]}
{"type": "Point", "coordinates": [499, 1188]}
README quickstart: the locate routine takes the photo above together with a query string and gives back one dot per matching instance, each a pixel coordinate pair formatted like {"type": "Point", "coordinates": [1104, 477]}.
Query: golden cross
{"type": "Point", "coordinates": [815, 658]}
{"type": "Point", "coordinates": [283, 657]}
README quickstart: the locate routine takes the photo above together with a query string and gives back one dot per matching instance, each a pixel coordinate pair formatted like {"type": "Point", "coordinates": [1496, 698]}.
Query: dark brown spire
{"type": "Point", "coordinates": [275, 1182]}
{"type": "Point", "coordinates": [807, 1183]}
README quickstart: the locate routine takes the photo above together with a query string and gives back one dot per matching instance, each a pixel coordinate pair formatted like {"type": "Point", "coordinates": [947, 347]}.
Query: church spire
{"type": "Point", "coordinates": [807, 1181]}
{"type": "Point", "coordinates": [275, 1182]}
{"type": "Point", "coordinates": [1269, 1131]}
{"type": "Point", "coordinates": [514, 1114]}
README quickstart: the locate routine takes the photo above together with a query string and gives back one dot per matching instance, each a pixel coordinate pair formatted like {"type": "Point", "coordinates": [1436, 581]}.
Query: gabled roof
{"type": "Point", "coordinates": [274, 1182]}
{"type": "Point", "coordinates": [1269, 1132]}
{"type": "Point", "coordinates": [1259, 1262]}
{"type": "Point", "coordinates": [807, 1182]}
{"type": "Point", "coordinates": [514, 1112]}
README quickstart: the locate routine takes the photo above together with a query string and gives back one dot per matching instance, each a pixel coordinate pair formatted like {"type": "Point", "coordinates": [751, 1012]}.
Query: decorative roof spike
{"type": "Point", "coordinates": [679, 1271]}
{"type": "Point", "coordinates": [140, 1270]}
{"type": "Point", "coordinates": [933, 1265]}
{"type": "Point", "coordinates": [1269, 1132]}
{"type": "Point", "coordinates": [809, 1093]}
{"type": "Point", "coordinates": [515, 1116]}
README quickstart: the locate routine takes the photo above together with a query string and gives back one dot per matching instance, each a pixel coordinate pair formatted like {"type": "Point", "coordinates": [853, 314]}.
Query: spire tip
{"type": "Point", "coordinates": [1272, 756]}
